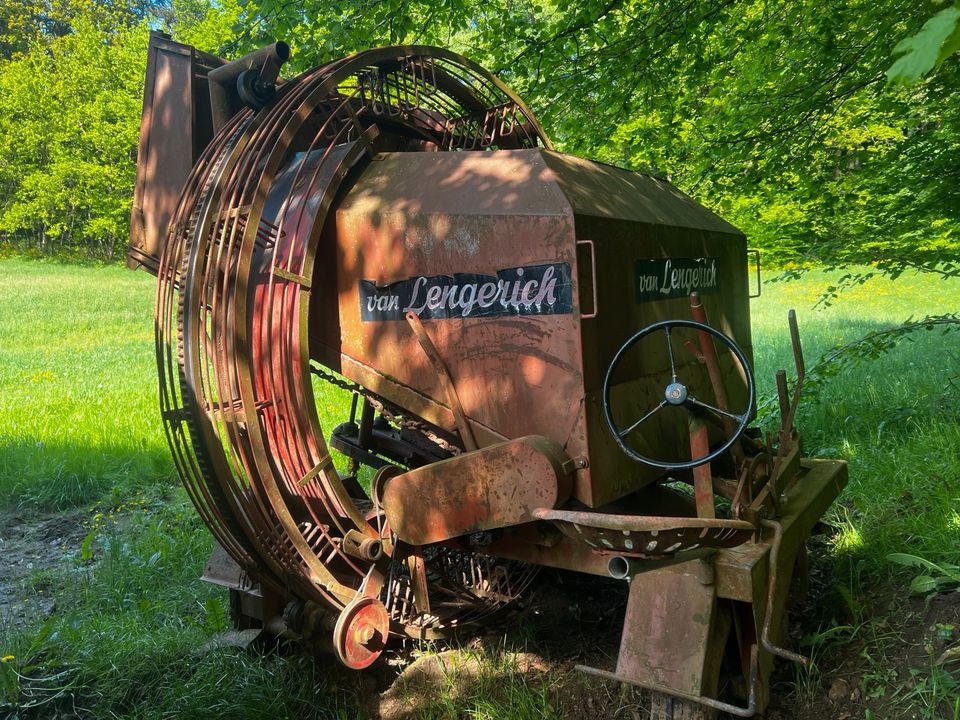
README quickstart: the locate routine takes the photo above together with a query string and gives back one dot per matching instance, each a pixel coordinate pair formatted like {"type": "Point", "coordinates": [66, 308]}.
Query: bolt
{"type": "Point", "coordinates": [365, 633]}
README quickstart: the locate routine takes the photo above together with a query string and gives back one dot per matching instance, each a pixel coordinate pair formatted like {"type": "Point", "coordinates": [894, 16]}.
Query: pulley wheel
{"type": "Point", "coordinates": [360, 634]}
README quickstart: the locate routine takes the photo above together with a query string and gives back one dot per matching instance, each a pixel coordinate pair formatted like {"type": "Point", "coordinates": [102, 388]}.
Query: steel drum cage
{"type": "Point", "coordinates": [271, 176]}
{"type": "Point", "coordinates": [233, 306]}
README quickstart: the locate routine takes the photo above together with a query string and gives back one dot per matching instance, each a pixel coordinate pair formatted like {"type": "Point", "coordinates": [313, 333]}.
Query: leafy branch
{"type": "Point", "coordinates": [869, 347]}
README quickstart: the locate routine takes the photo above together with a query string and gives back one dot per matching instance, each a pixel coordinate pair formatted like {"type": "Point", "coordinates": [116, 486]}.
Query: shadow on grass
{"type": "Point", "coordinates": [56, 477]}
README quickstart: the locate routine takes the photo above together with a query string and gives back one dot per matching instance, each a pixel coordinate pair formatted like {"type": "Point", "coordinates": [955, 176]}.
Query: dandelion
{"type": "Point", "coordinates": [6, 658]}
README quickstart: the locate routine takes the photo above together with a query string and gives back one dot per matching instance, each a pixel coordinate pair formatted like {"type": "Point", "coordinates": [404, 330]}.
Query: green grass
{"type": "Point", "coordinates": [78, 391]}
{"type": "Point", "coordinates": [81, 427]}
{"type": "Point", "coordinates": [896, 419]}
{"type": "Point", "coordinates": [128, 638]}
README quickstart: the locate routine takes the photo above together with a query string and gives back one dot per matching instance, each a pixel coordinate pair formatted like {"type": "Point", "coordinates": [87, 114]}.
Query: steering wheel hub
{"type": "Point", "coordinates": [676, 393]}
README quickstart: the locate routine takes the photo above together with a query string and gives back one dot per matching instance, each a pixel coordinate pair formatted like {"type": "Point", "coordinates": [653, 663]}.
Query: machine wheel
{"type": "Point", "coordinates": [239, 275]}
{"type": "Point", "coordinates": [360, 635]}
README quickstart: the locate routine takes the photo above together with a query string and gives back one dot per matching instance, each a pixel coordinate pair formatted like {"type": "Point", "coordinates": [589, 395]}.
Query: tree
{"type": "Point", "coordinates": [69, 117]}
{"type": "Point", "coordinates": [776, 114]}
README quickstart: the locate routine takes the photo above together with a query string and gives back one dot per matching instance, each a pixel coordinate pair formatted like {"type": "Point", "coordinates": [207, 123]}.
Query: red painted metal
{"type": "Point", "coordinates": [498, 486]}
{"type": "Point", "coordinates": [360, 635]}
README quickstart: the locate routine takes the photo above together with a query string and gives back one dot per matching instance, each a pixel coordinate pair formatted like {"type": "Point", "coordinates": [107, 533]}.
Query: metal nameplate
{"type": "Point", "coordinates": [662, 278]}
{"type": "Point", "coordinates": [530, 290]}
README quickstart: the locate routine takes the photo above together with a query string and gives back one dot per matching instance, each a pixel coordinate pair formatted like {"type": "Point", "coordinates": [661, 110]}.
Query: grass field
{"type": "Point", "coordinates": [77, 372]}
{"type": "Point", "coordinates": [80, 429]}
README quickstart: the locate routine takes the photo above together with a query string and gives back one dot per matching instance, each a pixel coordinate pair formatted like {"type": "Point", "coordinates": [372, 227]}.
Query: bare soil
{"type": "Point", "coordinates": [31, 545]}
{"type": "Point", "coordinates": [572, 620]}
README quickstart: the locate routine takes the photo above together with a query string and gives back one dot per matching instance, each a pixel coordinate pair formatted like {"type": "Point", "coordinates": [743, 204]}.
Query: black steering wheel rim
{"type": "Point", "coordinates": [742, 420]}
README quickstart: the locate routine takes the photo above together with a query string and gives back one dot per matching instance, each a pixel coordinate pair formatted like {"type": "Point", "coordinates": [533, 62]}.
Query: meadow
{"type": "Point", "coordinates": [81, 444]}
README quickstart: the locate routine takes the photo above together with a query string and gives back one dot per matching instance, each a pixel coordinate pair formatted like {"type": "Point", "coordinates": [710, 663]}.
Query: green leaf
{"type": "Point", "coordinates": [923, 584]}
{"type": "Point", "coordinates": [935, 42]}
{"type": "Point", "coordinates": [86, 550]}
{"type": "Point", "coordinates": [216, 615]}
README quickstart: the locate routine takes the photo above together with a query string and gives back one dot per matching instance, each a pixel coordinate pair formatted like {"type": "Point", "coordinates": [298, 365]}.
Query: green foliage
{"type": "Point", "coordinates": [938, 39]}
{"type": "Point", "coordinates": [933, 578]}
{"type": "Point", "coordinates": [893, 417]}
{"type": "Point", "coordinates": [208, 27]}
{"type": "Point", "coordinates": [69, 118]}
{"type": "Point", "coordinates": [776, 115]}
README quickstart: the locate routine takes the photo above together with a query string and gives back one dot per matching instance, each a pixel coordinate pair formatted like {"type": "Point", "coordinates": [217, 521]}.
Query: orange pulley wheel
{"type": "Point", "coordinates": [360, 634]}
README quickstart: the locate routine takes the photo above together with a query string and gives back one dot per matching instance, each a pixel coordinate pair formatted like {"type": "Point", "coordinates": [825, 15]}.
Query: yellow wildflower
{"type": "Point", "coordinates": [7, 658]}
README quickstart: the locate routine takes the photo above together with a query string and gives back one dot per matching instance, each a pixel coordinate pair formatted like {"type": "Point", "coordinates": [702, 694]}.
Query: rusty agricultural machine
{"type": "Point", "coordinates": [548, 362]}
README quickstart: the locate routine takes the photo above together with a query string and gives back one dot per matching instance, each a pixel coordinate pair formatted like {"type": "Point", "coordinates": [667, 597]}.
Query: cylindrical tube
{"type": "Point", "coordinates": [222, 80]}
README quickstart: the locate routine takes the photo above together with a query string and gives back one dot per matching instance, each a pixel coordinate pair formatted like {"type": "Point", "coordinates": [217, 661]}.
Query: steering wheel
{"type": "Point", "coordinates": [678, 394]}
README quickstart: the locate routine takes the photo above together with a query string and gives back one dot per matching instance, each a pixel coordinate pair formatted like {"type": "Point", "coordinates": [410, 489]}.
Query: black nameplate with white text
{"type": "Point", "coordinates": [531, 290]}
{"type": "Point", "coordinates": [662, 278]}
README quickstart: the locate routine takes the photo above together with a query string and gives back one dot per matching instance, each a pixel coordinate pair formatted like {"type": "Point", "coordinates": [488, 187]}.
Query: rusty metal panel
{"type": "Point", "coordinates": [666, 630]}
{"type": "Point", "coordinates": [425, 215]}
{"type": "Point", "coordinates": [175, 127]}
{"type": "Point", "coordinates": [600, 190]}
{"type": "Point", "coordinates": [495, 487]}
{"type": "Point", "coordinates": [415, 220]}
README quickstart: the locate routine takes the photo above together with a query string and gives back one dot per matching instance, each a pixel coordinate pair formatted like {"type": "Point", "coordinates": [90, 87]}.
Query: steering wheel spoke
{"type": "Point", "coordinates": [678, 394]}
{"type": "Point", "coordinates": [697, 403]}
{"type": "Point", "coordinates": [623, 433]}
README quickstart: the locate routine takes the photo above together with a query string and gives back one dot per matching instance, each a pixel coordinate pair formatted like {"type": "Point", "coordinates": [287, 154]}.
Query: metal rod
{"type": "Point", "coordinates": [702, 474]}
{"type": "Point", "coordinates": [771, 594]}
{"type": "Point", "coordinates": [712, 361]}
{"type": "Point", "coordinates": [749, 711]}
{"type": "Point", "coordinates": [453, 399]}
{"type": "Point", "coordinates": [783, 396]}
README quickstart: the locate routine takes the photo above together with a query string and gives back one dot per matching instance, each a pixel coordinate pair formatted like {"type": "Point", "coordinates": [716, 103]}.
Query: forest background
{"type": "Point", "coordinates": [781, 116]}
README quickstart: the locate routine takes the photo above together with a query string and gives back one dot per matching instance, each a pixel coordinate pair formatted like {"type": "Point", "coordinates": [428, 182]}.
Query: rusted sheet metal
{"type": "Point", "coordinates": [412, 218]}
{"type": "Point", "coordinates": [464, 217]}
{"type": "Point", "coordinates": [667, 628]}
{"type": "Point", "coordinates": [495, 487]}
{"type": "Point", "coordinates": [605, 191]}
{"type": "Point", "coordinates": [647, 536]}
{"type": "Point", "coordinates": [175, 128]}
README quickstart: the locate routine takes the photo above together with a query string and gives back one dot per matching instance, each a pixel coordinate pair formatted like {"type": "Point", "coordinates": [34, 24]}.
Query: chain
{"type": "Point", "coordinates": [394, 414]}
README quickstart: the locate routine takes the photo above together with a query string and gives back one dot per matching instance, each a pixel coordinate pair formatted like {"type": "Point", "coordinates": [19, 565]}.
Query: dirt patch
{"type": "Point", "coordinates": [30, 545]}
{"type": "Point", "coordinates": [570, 619]}
{"type": "Point", "coordinates": [900, 662]}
